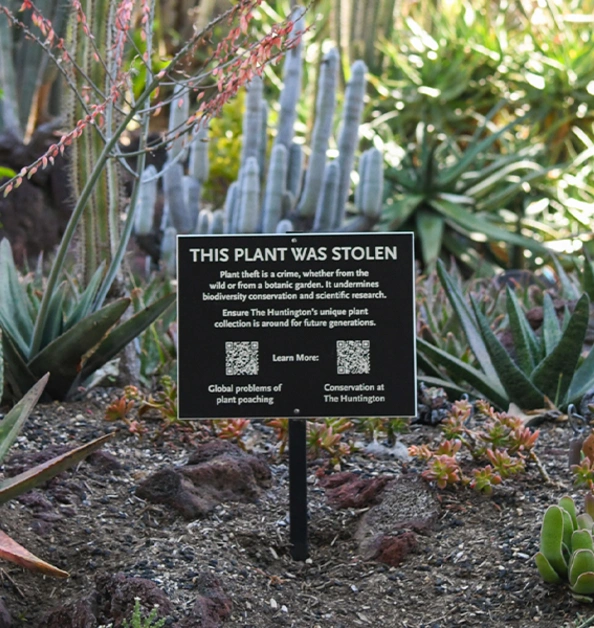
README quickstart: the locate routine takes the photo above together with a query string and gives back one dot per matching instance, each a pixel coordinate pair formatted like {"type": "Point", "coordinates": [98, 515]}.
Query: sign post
{"type": "Point", "coordinates": [296, 325]}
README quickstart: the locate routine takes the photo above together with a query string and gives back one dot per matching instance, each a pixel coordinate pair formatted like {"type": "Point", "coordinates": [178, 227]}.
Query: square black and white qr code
{"type": "Point", "coordinates": [352, 357]}
{"type": "Point", "coordinates": [241, 358]}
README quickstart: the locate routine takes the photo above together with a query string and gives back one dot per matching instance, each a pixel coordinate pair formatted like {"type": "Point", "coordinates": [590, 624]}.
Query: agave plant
{"type": "Point", "coordinates": [451, 192]}
{"type": "Point", "coordinates": [73, 338]}
{"type": "Point", "coordinates": [547, 369]}
{"type": "Point", "coordinates": [10, 488]}
{"type": "Point", "coordinates": [567, 548]}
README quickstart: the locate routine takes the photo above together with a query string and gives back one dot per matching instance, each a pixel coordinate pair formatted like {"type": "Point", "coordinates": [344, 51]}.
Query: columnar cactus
{"type": "Point", "coordinates": [292, 72]}
{"type": "Point", "coordinates": [278, 197]}
{"type": "Point", "coordinates": [349, 134]}
{"type": "Point", "coordinates": [325, 104]}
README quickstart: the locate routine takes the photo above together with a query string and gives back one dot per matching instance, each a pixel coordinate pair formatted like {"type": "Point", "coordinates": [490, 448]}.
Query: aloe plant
{"type": "Point", "coordinates": [78, 336]}
{"type": "Point", "coordinates": [547, 368]}
{"type": "Point", "coordinates": [567, 548]}
{"type": "Point", "coordinates": [10, 488]}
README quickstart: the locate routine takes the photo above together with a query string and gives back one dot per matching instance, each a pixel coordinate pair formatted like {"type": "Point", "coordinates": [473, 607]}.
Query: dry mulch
{"type": "Point", "coordinates": [471, 566]}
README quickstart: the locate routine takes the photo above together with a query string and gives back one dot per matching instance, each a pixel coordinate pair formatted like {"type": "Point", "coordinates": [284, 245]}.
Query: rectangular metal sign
{"type": "Point", "coordinates": [296, 325]}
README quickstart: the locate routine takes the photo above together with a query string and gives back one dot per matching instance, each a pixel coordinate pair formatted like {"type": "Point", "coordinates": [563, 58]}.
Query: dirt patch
{"type": "Point", "coordinates": [470, 565]}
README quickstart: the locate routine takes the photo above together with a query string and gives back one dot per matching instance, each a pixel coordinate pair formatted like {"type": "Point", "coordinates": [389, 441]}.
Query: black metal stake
{"type": "Point", "coordinates": [298, 489]}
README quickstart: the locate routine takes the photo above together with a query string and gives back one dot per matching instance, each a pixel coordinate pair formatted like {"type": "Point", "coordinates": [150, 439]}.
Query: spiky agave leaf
{"type": "Point", "coordinates": [13, 552]}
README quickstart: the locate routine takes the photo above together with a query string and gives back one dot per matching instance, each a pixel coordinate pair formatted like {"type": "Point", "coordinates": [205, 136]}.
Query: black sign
{"type": "Point", "coordinates": [296, 325]}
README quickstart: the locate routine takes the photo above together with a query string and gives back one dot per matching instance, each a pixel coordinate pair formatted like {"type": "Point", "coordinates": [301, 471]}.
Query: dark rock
{"type": "Point", "coordinates": [212, 606]}
{"type": "Point", "coordinates": [408, 506]}
{"type": "Point", "coordinates": [170, 488]}
{"type": "Point", "coordinates": [348, 490]}
{"type": "Point", "coordinates": [5, 620]}
{"type": "Point", "coordinates": [116, 594]}
{"type": "Point", "coordinates": [77, 614]}
{"type": "Point", "coordinates": [103, 461]}
{"type": "Point", "coordinates": [392, 550]}
{"type": "Point", "coordinates": [111, 603]}
{"type": "Point", "coordinates": [217, 472]}
{"type": "Point", "coordinates": [35, 500]}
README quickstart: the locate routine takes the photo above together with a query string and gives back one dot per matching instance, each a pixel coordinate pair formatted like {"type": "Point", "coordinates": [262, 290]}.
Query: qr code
{"type": "Point", "coordinates": [241, 358]}
{"type": "Point", "coordinates": [352, 357]}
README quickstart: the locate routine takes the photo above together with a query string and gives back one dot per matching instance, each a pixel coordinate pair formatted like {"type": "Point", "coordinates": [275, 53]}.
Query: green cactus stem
{"type": "Point", "coordinates": [371, 184]}
{"type": "Point", "coordinates": [272, 211]}
{"type": "Point", "coordinates": [349, 134]}
{"type": "Point", "coordinates": [204, 221]}
{"type": "Point", "coordinates": [263, 145]}
{"type": "Point", "coordinates": [217, 224]}
{"type": "Point", "coordinates": [325, 104]}
{"type": "Point", "coordinates": [100, 224]}
{"type": "Point", "coordinates": [144, 212]}
{"type": "Point", "coordinates": [178, 113]}
{"type": "Point", "coordinates": [173, 188]}
{"type": "Point", "coordinates": [249, 208]}
{"type": "Point", "coordinates": [295, 169]}
{"type": "Point", "coordinates": [168, 251]}
{"type": "Point", "coordinates": [252, 121]}
{"type": "Point", "coordinates": [326, 209]}
{"type": "Point", "coordinates": [292, 72]}
{"type": "Point", "coordinates": [192, 195]}
{"type": "Point", "coordinates": [232, 208]}
{"type": "Point", "coordinates": [199, 165]}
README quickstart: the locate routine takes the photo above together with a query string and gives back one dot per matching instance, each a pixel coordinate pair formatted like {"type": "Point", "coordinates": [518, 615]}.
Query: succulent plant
{"type": "Point", "coordinates": [548, 368]}
{"type": "Point", "coordinates": [77, 338]}
{"type": "Point", "coordinates": [567, 548]}
{"type": "Point", "coordinates": [11, 487]}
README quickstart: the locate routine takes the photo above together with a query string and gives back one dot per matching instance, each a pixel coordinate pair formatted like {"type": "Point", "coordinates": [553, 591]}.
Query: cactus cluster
{"type": "Point", "coordinates": [567, 548]}
{"type": "Point", "coordinates": [277, 197]}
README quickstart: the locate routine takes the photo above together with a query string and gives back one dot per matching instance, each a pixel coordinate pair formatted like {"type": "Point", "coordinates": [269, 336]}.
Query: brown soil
{"type": "Point", "coordinates": [473, 567]}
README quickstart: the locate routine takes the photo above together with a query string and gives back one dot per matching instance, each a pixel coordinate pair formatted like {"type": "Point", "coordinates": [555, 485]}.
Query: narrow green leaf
{"type": "Point", "coordinates": [453, 390]}
{"type": "Point", "coordinates": [583, 379]}
{"type": "Point", "coordinates": [588, 277]}
{"type": "Point", "coordinates": [399, 212]}
{"type": "Point", "coordinates": [17, 375]}
{"type": "Point", "coordinates": [41, 473]}
{"type": "Point", "coordinates": [482, 224]}
{"type": "Point", "coordinates": [551, 330]}
{"type": "Point", "coordinates": [517, 385]}
{"type": "Point", "coordinates": [124, 333]}
{"type": "Point", "coordinates": [469, 326]}
{"type": "Point", "coordinates": [14, 317]}
{"type": "Point", "coordinates": [1, 367]}
{"type": "Point", "coordinates": [460, 370]}
{"type": "Point", "coordinates": [12, 423]}
{"type": "Point", "coordinates": [86, 299]}
{"type": "Point", "coordinates": [63, 357]}
{"type": "Point", "coordinates": [55, 321]}
{"type": "Point", "coordinates": [569, 290]}
{"type": "Point", "coordinates": [430, 231]}
{"type": "Point", "coordinates": [554, 374]}
{"type": "Point", "coordinates": [525, 342]}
